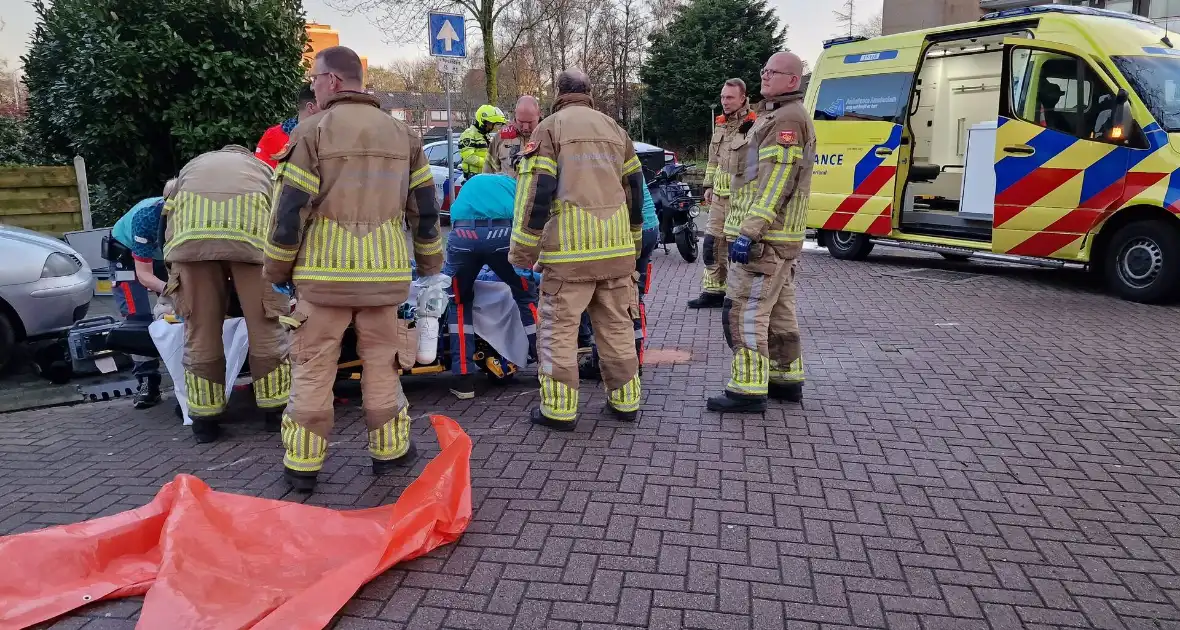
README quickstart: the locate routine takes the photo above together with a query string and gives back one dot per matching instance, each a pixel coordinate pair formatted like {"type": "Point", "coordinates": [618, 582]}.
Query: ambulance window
{"type": "Point", "coordinates": [874, 97]}
{"type": "Point", "coordinates": [1058, 92]}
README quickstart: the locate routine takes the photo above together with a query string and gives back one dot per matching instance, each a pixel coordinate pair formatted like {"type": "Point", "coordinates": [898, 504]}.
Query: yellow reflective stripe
{"type": "Point", "coordinates": [205, 398]}
{"type": "Point", "coordinates": [298, 177]}
{"type": "Point", "coordinates": [428, 249]}
{"type": "Point", "coordinates": [793, 373]}
{"type": "Point", "coordinates": [331, 252]}
{"type": "Point", "coordinates": [243, 218]}
{"type": "Point", "coordinates": [279, 253]}
{"type": "Point", "coordinates": [783, 236]}
{"type": "Point", "coordinates": [274, 389]}
{"type": "Point", "coordinates": [631, 166]}
{"type": "Point", "coordinates": [350, 275]}
{"type": "Point", "coordinates": [289, 322]}
{"type": "Point", "coordinates": [587, 255]}
{"type": "Point", "coordinates": [558, 400]}
{"type": "Point", "coordinates": [776, 153]}
{"type": "Point", "coordinates": [749, 373]}
{"type": "Point", "coordinates": [626, 398]}
{"type": "Point", "coordinates": [420, 176]}
{"type": "Point", "coordinates": [524, 238]}
{"type": "Point", "coordinates": [304, 450]}
{"type": "Point", "coordinates": [548, 165]}
{"type": "Point", "coordinates": [392, 439]}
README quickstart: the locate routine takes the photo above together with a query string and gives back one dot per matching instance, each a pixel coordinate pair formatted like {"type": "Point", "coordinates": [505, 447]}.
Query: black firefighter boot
{"type": "Point", "coordinates": [272, 420]}
{"type": "Point", "coordinates": [206, 430]}
{"type": "Point", "coordinates": [300, 481]}
{"type": "Point", "coordinates": [790, 392]}
{"type": "Point", "coordinates": [707, 300]}
{"type": "Point", "coordinates": [537, 417]}
{"type": "Point", "coordinates": [737, 403]}
{"type": "Point", "coordinates": [386, 466]}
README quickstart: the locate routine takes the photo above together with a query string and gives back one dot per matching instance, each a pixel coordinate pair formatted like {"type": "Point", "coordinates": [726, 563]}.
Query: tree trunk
{"type": "Point", "coordinates": [491, 68]}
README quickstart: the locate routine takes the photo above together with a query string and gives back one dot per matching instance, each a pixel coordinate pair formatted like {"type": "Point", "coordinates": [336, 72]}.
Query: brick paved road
{"type": "Point", "coordinates": [997, 452]}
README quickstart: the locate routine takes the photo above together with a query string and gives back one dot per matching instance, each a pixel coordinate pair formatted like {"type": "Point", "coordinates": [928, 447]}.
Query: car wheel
{"type": "Point", "coordinates": [1143, 261]}
{"type": "Point", "coordinates": [848, 245]}
{"type": "Point", "coordinates": [7, 341]}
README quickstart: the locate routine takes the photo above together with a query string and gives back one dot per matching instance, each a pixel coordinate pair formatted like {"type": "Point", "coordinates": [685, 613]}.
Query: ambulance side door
{"type": "Point", "coordinates": [858, 133]}
{"type": "Point", "coordinates": [1054, 174]}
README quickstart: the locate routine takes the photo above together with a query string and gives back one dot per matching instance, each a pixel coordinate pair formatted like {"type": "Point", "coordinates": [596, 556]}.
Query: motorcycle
{"type": "Point", "coordinates": [677, 209]}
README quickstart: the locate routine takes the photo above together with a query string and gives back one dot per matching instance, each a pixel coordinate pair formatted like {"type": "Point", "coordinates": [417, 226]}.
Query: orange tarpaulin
{"type": "Point", "coordinates": [213, 560]}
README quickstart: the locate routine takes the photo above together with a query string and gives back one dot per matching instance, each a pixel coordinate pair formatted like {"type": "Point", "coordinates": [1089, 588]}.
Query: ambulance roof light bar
{"type": "Point", "coordinates": [828, 43]}
{"type": "Point", "coordinates": [1061, 8]}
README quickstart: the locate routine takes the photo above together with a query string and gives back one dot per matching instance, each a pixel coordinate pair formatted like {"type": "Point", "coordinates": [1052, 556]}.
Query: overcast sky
{"type": "Point", "coordinates": [810, 23]}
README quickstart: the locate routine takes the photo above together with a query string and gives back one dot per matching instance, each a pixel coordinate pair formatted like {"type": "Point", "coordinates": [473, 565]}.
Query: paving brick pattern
{"type": "Point", "coordinates": [997, 452]}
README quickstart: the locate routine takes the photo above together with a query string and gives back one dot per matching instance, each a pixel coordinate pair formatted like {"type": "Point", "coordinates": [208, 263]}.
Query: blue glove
{"type": "Point", "coordinates": [286, 288]}
{"type": "Point", "coordinates": [739, 250]}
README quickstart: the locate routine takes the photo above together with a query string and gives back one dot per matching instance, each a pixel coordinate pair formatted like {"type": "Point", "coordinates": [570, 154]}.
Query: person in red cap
{"type": "Point", "coordinates": [275, 139]}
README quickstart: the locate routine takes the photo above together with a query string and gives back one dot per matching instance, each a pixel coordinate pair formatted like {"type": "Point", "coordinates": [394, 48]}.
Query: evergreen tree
{"type": "Point", "coordinates": [139, 87]}
{"type": "Point", "coordinates": [707, 42]}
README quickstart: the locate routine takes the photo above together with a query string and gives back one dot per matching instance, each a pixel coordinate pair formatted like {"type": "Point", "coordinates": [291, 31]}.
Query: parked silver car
{"type": "Point", "coordinates": [44, 288]}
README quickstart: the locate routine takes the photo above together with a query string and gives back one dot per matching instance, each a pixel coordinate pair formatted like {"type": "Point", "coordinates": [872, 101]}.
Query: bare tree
{"type": "Point", "coordinates": [406, 19]}
{"type": "Point", "coordinates": [870, 27]}
{"type": "Point", "coordinates": [846, 17]}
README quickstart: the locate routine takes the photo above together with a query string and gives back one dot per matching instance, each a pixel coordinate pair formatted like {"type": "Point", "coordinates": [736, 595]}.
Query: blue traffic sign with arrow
{"type": "Point", "coordinates": [448, 35]}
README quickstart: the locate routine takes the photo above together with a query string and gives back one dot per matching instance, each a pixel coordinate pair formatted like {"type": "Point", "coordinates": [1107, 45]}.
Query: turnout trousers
{"type": "Point", "coordinates": [470, 246]}
{"type": "Point", "coordinates": [315, 352]}
{"type": "Point", "coordinates": [202, 293]}
{"type": "Point", "coordinates": [651, 239]}
{"type": "Point", "coordinates": [613, 305]}
{"type": "Point", "coordinates": [758, 318]}
{"type": "Point", "coordinates": [715, 249]}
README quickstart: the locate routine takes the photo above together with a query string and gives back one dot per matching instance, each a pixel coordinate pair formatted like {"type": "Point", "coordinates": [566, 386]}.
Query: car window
{"type": "Point", "coordinates": [875, 97]}
{"type": "Point", "coordinates": [436, 154]}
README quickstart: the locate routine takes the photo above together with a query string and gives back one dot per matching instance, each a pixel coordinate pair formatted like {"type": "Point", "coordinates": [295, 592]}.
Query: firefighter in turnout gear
{"type": "Point", "coordinates": [729, 132]}
{"type": "Point", "coordinates": [214, 223]}
{"type": "Point", "coordinates": [473, 142]}
{"type": "Point", "coordinates": [343, 187]}
{"type": "Point", "coordinates": [505, 145]}
{"type": "Point", "coordinates": [579, 213]}
{"type": "Point", "coordinates": [765, 226]}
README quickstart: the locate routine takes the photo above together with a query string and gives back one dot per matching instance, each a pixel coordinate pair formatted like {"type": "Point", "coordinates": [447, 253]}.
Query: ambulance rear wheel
{"type": "Point", "coordinates": [1143, 262]}
{"type": "Point", "coordinates": [848, 245]}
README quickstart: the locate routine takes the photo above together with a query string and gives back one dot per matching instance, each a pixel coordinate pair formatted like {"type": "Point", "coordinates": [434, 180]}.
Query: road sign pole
{"type": "Point", "coordinates": [450, 136]}
{"type": "Point", "coordinates": [447, 34]}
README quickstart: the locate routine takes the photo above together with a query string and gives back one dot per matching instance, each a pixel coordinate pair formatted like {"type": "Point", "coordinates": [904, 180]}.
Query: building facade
{"type": "Point", "coordinates": [899, 16]}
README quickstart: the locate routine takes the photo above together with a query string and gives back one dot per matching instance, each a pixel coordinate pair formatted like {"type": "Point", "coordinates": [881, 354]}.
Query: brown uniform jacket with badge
{"type": "Point", "coordinates": [503, 146]}
{"type": "Point", "coordinates": [772, 176]}
{"type": "Point", "coordinates": [579, 196]}
{"type": "Point", "coordinates": [730, 131]}
{"type": "Point", "coordinates": [348, 181]}
{"type": "Point", "coordinates": [220, 208]}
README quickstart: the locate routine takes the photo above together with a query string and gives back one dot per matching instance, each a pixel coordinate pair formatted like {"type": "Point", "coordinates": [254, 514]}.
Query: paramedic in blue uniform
{"type": "Point", "coordinates": [481, 233]}
{"type": "Point", "coordinates": [588, 369]}
{"type": "Point", "coordinates": [137, 267]}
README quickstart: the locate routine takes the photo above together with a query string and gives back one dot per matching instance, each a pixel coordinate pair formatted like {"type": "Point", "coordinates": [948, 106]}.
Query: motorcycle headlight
{"type": "Point", "coordinates": [694, 211]}
{"type": "Point", "coordinates": [59, 264]}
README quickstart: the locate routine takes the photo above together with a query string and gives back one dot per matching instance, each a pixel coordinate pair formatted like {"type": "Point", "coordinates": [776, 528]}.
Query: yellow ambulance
{"type": "Point", "coordinates": [1047, 135]}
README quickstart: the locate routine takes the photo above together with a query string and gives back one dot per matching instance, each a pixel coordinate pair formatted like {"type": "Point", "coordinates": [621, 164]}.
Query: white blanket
{"type": "Point", "coordinates": [495, 318]}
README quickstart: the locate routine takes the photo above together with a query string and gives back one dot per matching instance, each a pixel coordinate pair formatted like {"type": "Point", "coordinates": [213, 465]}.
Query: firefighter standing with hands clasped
{"type": "Point", "coordinates": [586, 233]}
{"type": "Point", "coordinates": [729, 133]}
{"type": "Point", "coordinates": [766, 224]}
{"type": "Point", "coordinates": [507, 143]}
{"type": "Point", "coordinates": [345, 182]}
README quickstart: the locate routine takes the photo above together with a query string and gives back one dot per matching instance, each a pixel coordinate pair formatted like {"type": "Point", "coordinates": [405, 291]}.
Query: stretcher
{"type": "Point", "coordinates": [501, 343]}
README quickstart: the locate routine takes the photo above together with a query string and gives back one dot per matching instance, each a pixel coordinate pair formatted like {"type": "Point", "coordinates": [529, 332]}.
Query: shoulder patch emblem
{"type": "Point", "coordinates": [786, 138]}
{"type": "Point", "coordinates": [720, 120]}
{"type": "Point", "coordinates": [530, 148]}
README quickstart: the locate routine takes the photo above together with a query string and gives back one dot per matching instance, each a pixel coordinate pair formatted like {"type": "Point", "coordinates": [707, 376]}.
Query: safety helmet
{"type": "Point", "coordinates": [488, 115]}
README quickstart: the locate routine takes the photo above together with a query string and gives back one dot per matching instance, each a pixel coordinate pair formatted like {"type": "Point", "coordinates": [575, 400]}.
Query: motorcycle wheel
{"type": "Point", "coordinates": [686, 244]}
